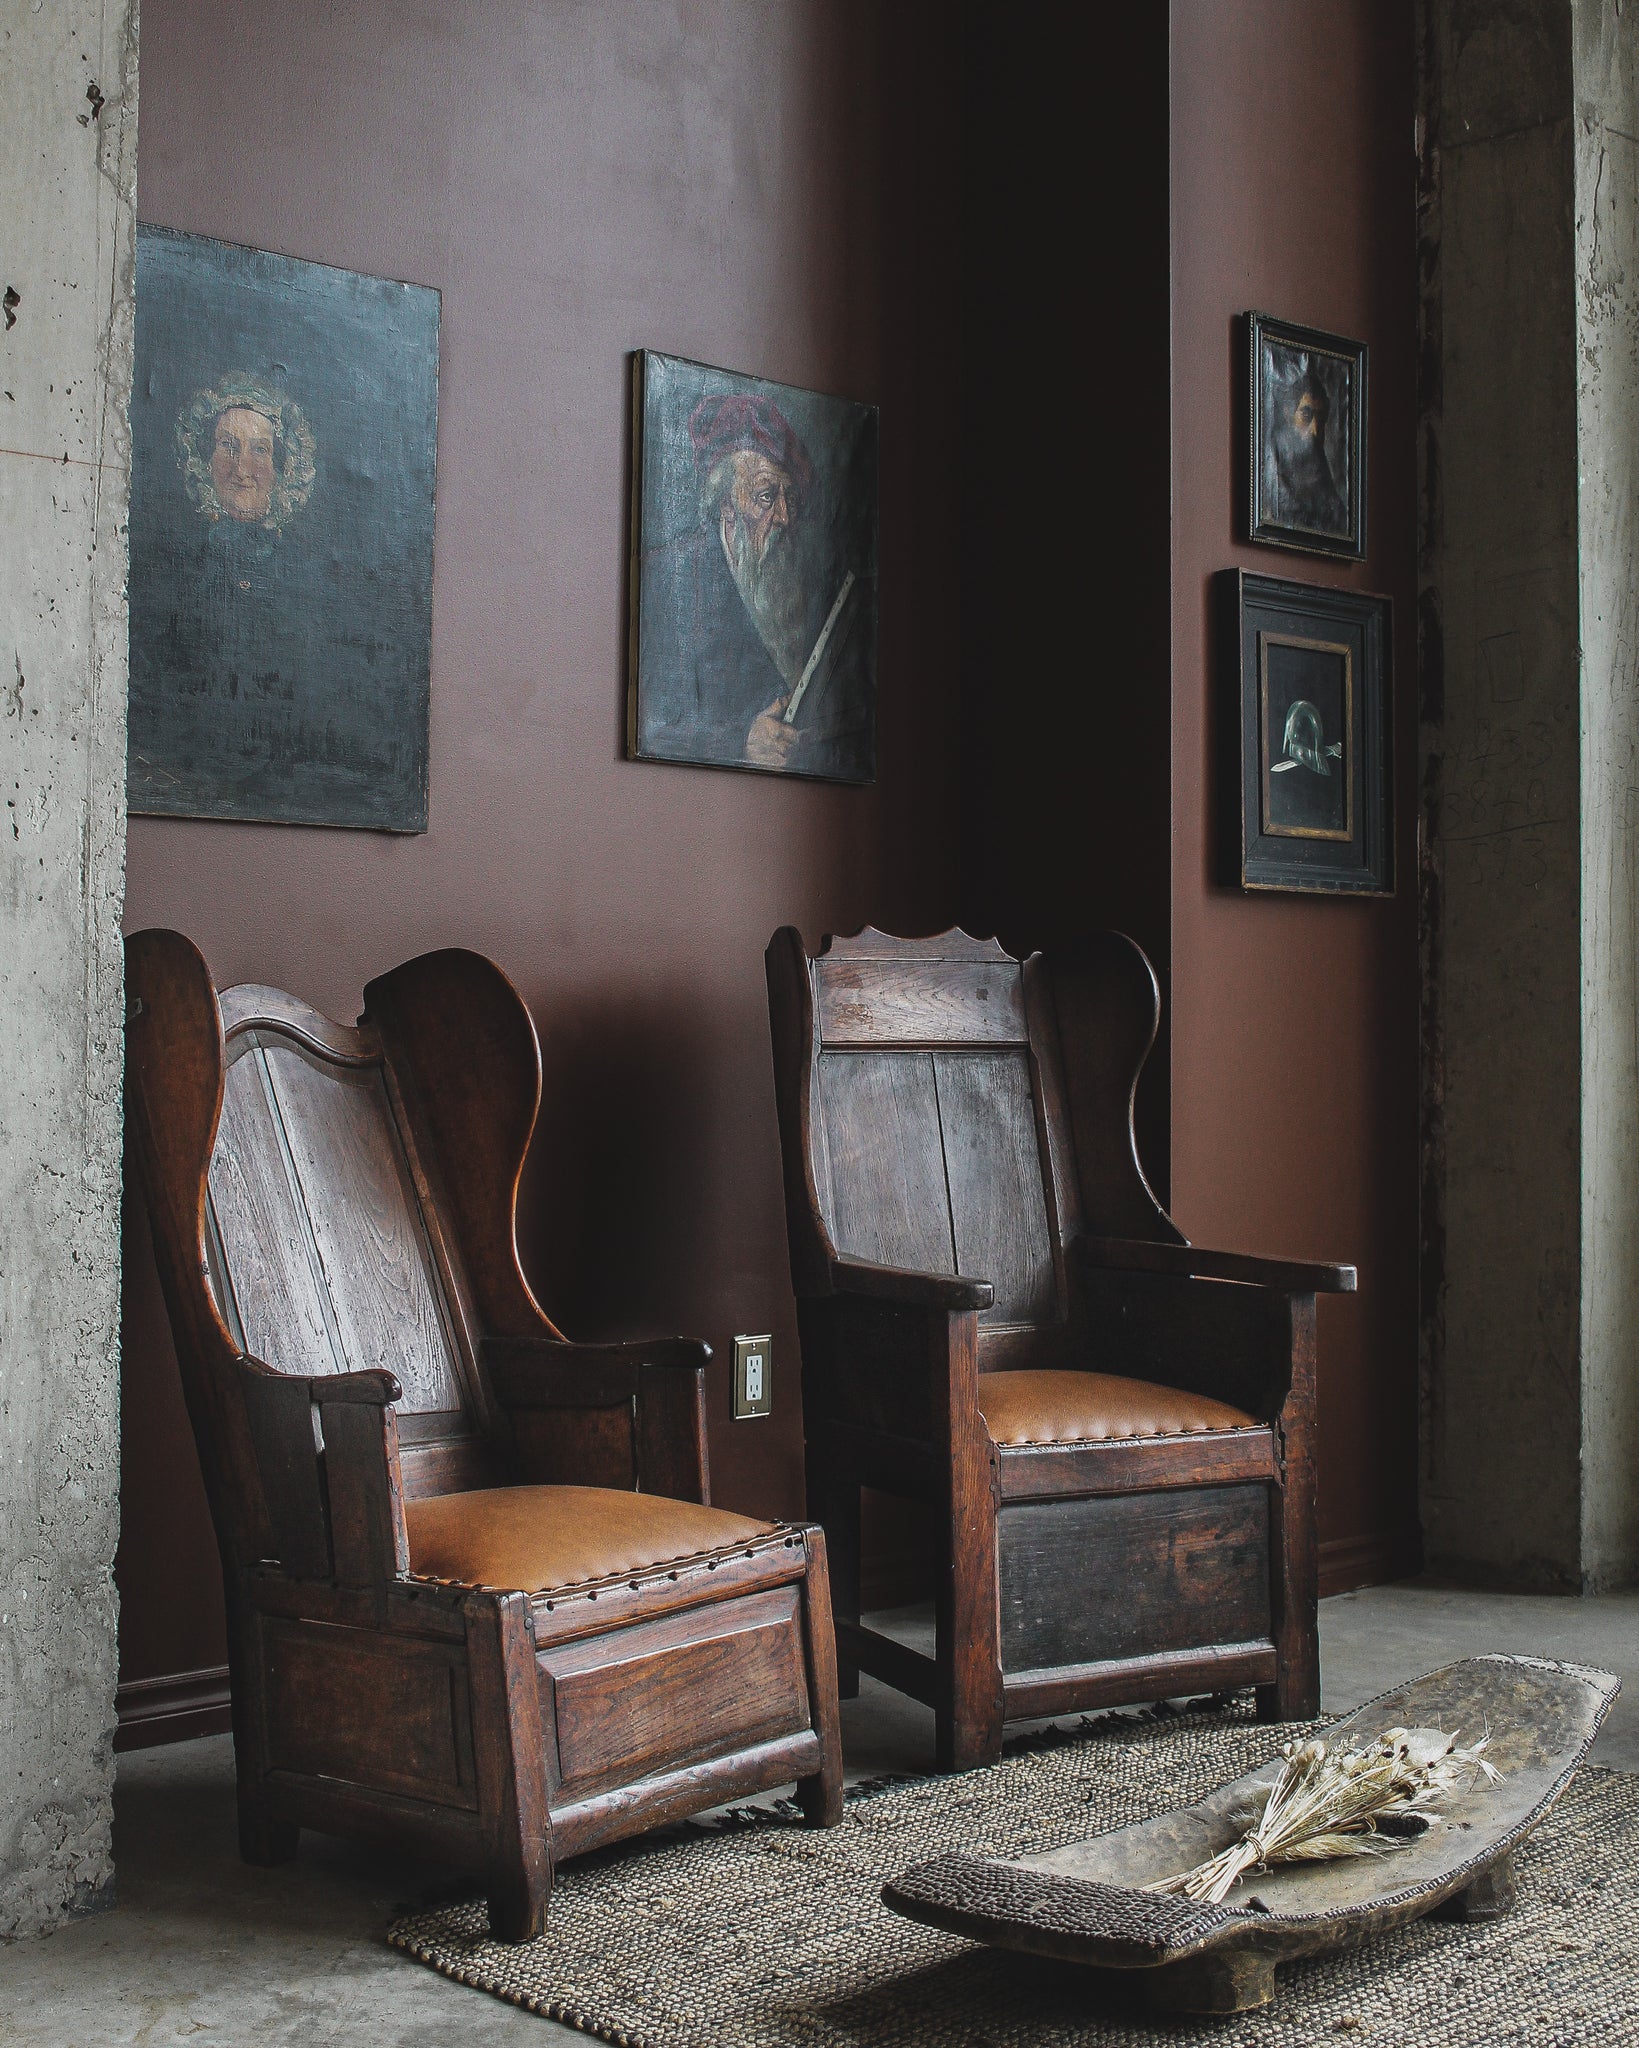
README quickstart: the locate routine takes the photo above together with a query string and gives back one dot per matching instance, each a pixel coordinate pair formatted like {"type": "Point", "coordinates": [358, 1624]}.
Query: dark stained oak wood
{"type": "Point", "coordinates": [674, 1794]}
{"type": "Point", "coordinates": [904, 1003]}
{"type": "Point", "coordinates": [1289, 1276]}
{"type": "Point", "coordinates": [998, 1205]}
{"type": "Point", "coordinates": [1137, 1464]}
{"type": "Point", "coordinates": [367, 1231]}
{"type": "Point", "coordinates": [964, 1196]}
{"type": "Point", "coordinates": [269, 1261]}
{"type": "Point", "coordinates": [885, 1165]}
{"type": "Point", "coordinates": [677, 1690]}
{"type": "Point", "coordinates": [905, 1669]}
{"type": "Point", "coordinates": [1084, 1581]}
{"type": "Point", "coordinates": [1122, 1681]}
{"type": "Point", "coordinates": [334, 1217]}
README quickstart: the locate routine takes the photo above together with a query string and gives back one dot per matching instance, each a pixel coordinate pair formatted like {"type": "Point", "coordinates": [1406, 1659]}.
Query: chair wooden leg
{"type": "Point", "coordinates": [820, 1796]}
{"type": "Point", "coordinates": [517, 1905]}
{"type": "Point", "coordinates": [968, 1714]}
{"type": "Point", "coordinates": [510, 1741]}
{"type": "Point", "coordinates": [833, 1501]}
{"type": "Point", "coordinates": [263, 1841]}
{"type": "Point", "coordinates": [1293, 1552]}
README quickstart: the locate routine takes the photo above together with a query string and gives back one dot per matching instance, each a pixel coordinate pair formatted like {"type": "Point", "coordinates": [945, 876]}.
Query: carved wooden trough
{"type": "Point", "coordinates": [1086, 1903]}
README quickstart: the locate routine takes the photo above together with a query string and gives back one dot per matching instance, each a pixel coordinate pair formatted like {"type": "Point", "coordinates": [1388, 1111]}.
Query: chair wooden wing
{"type": "Point", "coordinates": [479, 1603]}
{"type": "Point", "coordinates": [1112, 1428]}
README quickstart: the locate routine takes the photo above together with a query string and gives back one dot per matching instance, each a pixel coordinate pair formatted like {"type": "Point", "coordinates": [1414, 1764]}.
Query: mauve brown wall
{"type": "Point", "coordinates": [1294, 1021]}
{"type": "Point", "coordinates": [764, 187]}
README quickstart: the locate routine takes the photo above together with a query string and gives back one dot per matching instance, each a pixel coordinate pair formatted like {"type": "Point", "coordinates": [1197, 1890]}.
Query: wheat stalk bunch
{"type": "Point", "coordinates": [1329, 1802]}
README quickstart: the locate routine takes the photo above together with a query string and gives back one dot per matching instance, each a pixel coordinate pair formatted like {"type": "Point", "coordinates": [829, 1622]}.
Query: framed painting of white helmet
{"type": "Point", "coordinates": [1306, 452]}
{"type": "Point", "coordinates": [1309, 731]}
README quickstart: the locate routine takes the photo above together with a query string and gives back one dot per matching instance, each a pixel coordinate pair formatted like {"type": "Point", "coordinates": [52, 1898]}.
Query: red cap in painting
{"type": "Point", "coordinates": [720, 425]}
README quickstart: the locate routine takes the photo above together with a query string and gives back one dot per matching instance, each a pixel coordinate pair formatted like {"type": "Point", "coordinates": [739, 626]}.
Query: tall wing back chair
{"type": "Point", "coordinates": [478, 1602]}
{"type": "Point", "coordinates": [1113, 1429]}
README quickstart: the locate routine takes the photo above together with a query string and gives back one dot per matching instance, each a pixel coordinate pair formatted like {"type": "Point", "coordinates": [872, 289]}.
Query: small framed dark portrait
{"type": "Point", "coordinates": [284, 425]}
{"type": "Point", "coordinates": [1306, 456]}
{"type": "Point", "coordinates": [753, 574]}
{"type": "Point", "coordinates": [1307, 736]}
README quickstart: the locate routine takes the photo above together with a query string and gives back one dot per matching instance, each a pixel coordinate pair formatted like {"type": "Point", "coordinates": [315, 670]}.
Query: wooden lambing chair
{"type": "Point", "coordinates": [1113, 1429]}
{"type": "Point", "coordinates": [424, 1648]}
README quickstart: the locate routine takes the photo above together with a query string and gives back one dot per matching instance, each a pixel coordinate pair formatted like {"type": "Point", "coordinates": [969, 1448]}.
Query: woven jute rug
{"type": "Point", "coordinates": [761, 1932]}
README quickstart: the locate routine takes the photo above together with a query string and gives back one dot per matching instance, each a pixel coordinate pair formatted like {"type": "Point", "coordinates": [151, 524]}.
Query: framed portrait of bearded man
{"type": "Point", "coordinates": [284, 422]}
{"type": "Point", "coordinates": [752, 639]}
{"type": "Point", "coordinates": [1306, 456]}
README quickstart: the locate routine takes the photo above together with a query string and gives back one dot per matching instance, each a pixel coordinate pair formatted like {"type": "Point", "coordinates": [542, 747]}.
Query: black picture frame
{"type": "Point", "coordinates": [1306, 395]}
{"type": "Point", "coordinates": [752, 637]}
{"type": "Point", "coordinates": [1308, 736]}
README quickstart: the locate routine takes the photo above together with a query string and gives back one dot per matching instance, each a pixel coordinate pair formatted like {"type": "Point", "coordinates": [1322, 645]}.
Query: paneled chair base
{"type": "Point", "coordinates": [647, 1658]}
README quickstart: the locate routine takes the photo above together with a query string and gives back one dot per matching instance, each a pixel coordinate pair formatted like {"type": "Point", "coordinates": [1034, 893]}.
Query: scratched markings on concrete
{"type": "Point", "coordinates": [67, 179]}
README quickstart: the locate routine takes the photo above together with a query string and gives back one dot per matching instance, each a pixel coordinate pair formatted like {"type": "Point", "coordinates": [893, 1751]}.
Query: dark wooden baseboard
{"type": "Point", "coordinates": [1349, 1562]}
{"type": "Point", "coordinates": [172, 1708]}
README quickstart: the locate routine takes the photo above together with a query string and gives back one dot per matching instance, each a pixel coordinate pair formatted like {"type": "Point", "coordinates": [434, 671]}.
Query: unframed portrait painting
{"type": "Point", "coordinates": [1307, 445]}
{"type": "Point", "coordinates": [284, 429]}
{"type": "Point", "coordinates": [753, 576]}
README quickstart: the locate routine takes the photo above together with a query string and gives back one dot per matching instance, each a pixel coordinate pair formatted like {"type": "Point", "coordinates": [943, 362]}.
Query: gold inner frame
{"type": "Point", "coordinates": [1346, 762]}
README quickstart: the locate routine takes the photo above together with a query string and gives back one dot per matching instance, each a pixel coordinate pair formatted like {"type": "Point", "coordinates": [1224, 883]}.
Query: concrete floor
{"type": "Point", "coordinates": [203, 1950]}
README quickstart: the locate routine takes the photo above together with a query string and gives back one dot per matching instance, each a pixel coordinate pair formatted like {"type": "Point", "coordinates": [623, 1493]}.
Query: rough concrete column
{"type": "Point", "coordinates": [68, 78]}
{"type": "Point", "coordinates": [1606, 88]}
{"type": "Point", "coordinates": [1530, 921]}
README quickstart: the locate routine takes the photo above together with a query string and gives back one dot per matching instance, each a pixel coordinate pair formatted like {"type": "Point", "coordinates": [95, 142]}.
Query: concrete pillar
{"type": "Point", "coordinates": [1530, 922]}
{"type": "Point", "coordinates": [1606, 85]}
{"type": "Point", "coordinates": [68, 77]}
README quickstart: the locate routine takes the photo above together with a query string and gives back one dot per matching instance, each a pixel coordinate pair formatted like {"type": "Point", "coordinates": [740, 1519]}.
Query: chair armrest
{"type": "Point", "coordinates": [373, 1388]}
{"type": "Point", "coordinates": [542, 1372]}
{"type": "Point", "coordinates": [346, 1522]}
{"type": "Point", "coordinates": [1193, 1262]}
{"type": "Point", "coordinates": [950, 1293]}
{"type": "Point", "coordinates": [663, 1378]}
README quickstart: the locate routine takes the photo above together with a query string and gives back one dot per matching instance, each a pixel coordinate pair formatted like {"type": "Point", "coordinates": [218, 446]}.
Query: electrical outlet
{"type": "Point", "coordinates": [753, 1377]}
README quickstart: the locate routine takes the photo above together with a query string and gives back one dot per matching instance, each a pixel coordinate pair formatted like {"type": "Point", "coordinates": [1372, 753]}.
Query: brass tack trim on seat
{"type": "Point", "coordinates": [588, 1589]}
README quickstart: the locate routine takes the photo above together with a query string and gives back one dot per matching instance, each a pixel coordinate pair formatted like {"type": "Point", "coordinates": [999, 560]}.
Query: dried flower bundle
{"type": "Point", "coordinates": [1330, 1802]}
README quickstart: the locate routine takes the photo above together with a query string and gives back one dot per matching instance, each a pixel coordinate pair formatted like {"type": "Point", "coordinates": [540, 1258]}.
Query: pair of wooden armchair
{"type": "Point", "coordinates": [479, 1602]}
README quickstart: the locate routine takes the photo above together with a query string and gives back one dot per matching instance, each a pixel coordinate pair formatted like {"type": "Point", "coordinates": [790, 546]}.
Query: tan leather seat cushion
{"type": "Point", "coordinates": [1089, 1407]}
{"type": "Point", "coordinates": [533, 1539]}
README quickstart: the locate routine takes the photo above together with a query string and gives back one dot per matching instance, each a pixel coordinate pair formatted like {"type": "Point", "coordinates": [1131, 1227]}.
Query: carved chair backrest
{"type": "Point", "coordinates": [947, 1107]}
{"type": "Point", "coordinates": [327, 1200]}
{"type": "Point", "coordinates": [928, 1140]}
{"type": "Point", "coordinates": [321, 1231]}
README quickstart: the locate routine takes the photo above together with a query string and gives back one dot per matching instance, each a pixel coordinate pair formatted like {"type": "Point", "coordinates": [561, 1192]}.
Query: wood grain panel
{"type": "Point", "coordinates": [1136, 1464]}
{"type": "Point", "coordinates": [261, 1227]}
{"type": "Point", "coordinates": [918, 1002]}
{"type": "Point", "coordinates": [366, 1223]}
{"type": "Point", "coordinates": [887, 1164]}
{"type": "Point", "coordinates": [578, 1446]}
{"type": "Point", "coordinates": [694, 1685]}
{"type": "Point", "coordinates": [993, 1170]}
{"type": "Point", "coordinates": [458, 1465]}
{"type": "Point", "coordinates": [331, 1691]}
{"type": "Point", "coordinates": [1129, 1575]}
